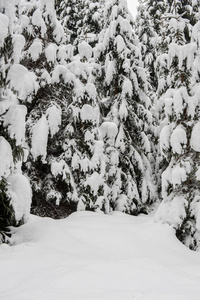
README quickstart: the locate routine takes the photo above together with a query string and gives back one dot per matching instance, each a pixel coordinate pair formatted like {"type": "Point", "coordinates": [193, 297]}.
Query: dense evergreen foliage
{"type": "Point", "coordinates": [179, 123]}
{"type": "Point", "coordinates": [100, 111]}
{"type": "Point", "coordinates": [14, 204]}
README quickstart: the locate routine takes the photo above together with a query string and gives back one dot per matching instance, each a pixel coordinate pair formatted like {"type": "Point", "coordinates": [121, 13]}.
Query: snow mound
{"type": "Point", "coordinates": [90, 256]}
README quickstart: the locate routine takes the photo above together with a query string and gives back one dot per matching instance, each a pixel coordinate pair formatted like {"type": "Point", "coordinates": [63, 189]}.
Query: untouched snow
{"type": "Point", "coordinates": [90, 256]}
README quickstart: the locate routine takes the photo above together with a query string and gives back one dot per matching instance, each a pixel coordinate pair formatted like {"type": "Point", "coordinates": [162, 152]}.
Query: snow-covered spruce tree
{"type": "Point", "coordinates": [179, 139]}
{"type": "Point", "coordinates": [126, 113]}
{"type": "Point", "coordinates": [15, 191]}
{"type": "Point", "coordinates": [47, 96]}
{"type": "Point", "coordinates": [171, 31]}
{"type": "Point", "coordinates": [150, 26]}
{"type": "Point", "coordinates": [63, 116]}
{"type": "Point", "coordinates": [148, 41]}
{"type": "Point", "coordinates": [84, 150]}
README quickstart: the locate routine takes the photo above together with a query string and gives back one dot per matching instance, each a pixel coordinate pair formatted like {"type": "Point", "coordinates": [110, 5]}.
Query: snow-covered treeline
{"type": "Point", "coordinates": [174, 33]}
{"type": "Point", "coordinates": [99, 111]}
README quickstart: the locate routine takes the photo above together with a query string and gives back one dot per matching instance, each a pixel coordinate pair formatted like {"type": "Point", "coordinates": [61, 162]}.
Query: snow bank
{"type": "Point", "coordinates": [90, 256]}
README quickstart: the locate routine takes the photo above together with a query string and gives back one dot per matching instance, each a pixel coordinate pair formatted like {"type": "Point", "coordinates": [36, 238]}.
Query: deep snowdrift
{"type": "Point", "coordinates": [91, 256]}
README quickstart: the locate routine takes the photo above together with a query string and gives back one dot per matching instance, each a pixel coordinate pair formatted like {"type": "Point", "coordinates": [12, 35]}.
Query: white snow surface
{"type": "Point", "coordinates": [91, 256]}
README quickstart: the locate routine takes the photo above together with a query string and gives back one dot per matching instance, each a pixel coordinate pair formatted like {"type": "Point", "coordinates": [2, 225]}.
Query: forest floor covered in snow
{"type": "Point", "coordinates": [90, 256]}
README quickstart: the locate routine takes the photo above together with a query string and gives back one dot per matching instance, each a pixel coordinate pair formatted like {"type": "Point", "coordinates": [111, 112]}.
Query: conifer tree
{"type": "Point", "coordinates": [179, 142]}
{"type": "Point", "coordinates": [15, 191]}
{"type": "Point", "coordinates": [125, 108]}
{"type": "Point", "coordinates": [43, 60]}
{"type": "Point", "coordinates": [61, 129]}
{"type": "Point", "coordinates": [83, 147]}
{"type": "Point", "coordinates": [152, 17]}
